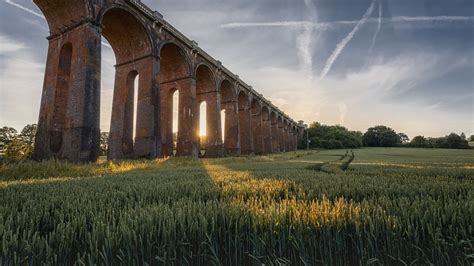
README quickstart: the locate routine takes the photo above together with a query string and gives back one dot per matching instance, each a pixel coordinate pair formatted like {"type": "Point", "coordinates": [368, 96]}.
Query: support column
{"type": "Point", "coordinates": [281, 139]}
{"type": "Point", "coordinates": [69, 119]}
{"type": "Point", "coordinates": [275, 136]}
{"type": "Point", "coordinates": [295, 141]}
{"type": "Point", "coordinates": [188, 141]}
{"type": "Point", "coordinates": [246, 136]}
{"type": "Point", "coordinates": [267, 135]}
{"type": "Point", "coordinates": [166, 119]}
{"type": "Point", "coordinates": [147, 137]}
{"type": "Point", "coordinates": [231, 130]}
{"type": "Point", "coordinates": [257, 133]}
{"type": "Point", "coordinates": [287, 138]}
{"type": "Point", "coordinates": [121, 142]}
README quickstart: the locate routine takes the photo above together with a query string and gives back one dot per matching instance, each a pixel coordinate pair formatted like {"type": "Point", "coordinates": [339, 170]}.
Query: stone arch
{"type": "Point", "coordinates": [206, 91]}
{"type": "Point", "coordinates": [256, 106]}
{"type": "Point", "coordinates": [131, 42]}
{"type": "Point", "coordinates": [127, 35]}
{"type": "Point", "coordinates": [227, 92]}
{"type": "Point", "coordinates": [175, 76]}
{"type": "Point", "coordinates": [205, 79]}
{"type": "Point", "coordinates": [174, 62]}
{"type": "Point", "coordinates": [59, 12]}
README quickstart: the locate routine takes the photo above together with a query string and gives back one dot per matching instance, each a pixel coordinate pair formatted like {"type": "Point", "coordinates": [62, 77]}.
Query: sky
{"type": "Point", "coordinates": [358, 63]}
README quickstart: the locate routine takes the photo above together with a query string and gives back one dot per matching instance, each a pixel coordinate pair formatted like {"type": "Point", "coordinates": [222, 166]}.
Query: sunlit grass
{"type": "Point", "coordinates": [388, 208]}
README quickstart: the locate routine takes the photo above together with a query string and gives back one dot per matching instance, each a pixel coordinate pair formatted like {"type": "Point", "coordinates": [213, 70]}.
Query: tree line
{"type": "Point", "coordinates": [339, 137]}
{"type": "Point", "coordinates": [16, 145]}
{"type": "Point", "coordinates": [19, 145]}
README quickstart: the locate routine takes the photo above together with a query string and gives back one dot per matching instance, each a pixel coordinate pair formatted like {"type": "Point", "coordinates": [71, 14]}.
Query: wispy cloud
{"type": "Point", "coordinates": [342, 112]}
{"type": "Point", "coordinates": [342, 44]}
{"type": "Point", "coordinates": [40, 15]}
{"type": "Point", "coordinates": [8, 45]}
{"type": "Point", "coordinates": [25, 9]}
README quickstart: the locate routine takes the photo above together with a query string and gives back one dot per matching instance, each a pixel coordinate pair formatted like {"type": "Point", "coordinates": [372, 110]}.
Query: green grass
{"type": "Point", "coordinates": [392, 206]}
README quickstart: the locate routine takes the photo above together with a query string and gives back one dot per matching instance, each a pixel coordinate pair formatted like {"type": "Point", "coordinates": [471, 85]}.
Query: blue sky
{"type": "Point", "coordinates": [402, 63]}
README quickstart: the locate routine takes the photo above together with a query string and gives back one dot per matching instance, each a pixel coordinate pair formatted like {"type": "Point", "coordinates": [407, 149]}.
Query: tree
{"type": "Point", "coordinates": [331, 137]}
{"type": "Point", "coordinates": [28, 134]}
{"type": "Point", "coordinates": [381, 136]}
{"type": "Point", "coordinates": [403, 138]}
{"type": "Point", "coordinates": [6, 136]}
{"type": "Point", "coordinates": [471, 138]}
{"type": "Point", "coordinates": [18, 149]}
{"type": "Point", "coordinates": [20, 146]}
{"type": "Point", "coordinates": [463, 136]}
{"type": "Point", "coordinates": [104, 143]}
{"type": "Point", "coordinates": [455, 141]}
{"type": "Point", "coordinates": [419, 142]}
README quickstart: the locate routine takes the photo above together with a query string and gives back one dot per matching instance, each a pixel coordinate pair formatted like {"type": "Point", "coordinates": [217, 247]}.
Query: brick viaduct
{"type": "Point", "coordinates": [165, 60]}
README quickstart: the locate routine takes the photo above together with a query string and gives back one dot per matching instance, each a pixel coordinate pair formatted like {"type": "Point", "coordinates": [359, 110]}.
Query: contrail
{"type": "Point", "coordinates": [38, 15]}
{"type": "Point", "coordinates": [268, 24]}
{"type": "Point", "coordinates": [304, 48]}
{"type": "Point", "coordinates": [25, 9]}
{"type": "Point", "coordinates": [379, 24]}
{"type": "Point", "coordinates": [330, 24]}
{"type": "Point", "coordinates": [432, 19]}
{"type": "Point", "coordinates": [341, 45]}
{"type": "Point", "coordinates": [305, 39]}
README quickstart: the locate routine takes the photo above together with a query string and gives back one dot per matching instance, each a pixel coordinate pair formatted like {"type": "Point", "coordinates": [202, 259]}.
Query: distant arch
{"type": "Point", "coordinates": [174, 63]}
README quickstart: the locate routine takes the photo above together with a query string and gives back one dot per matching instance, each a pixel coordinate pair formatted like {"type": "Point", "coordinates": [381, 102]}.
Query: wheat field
{"type": "Point", "coordinates": [392, 206]}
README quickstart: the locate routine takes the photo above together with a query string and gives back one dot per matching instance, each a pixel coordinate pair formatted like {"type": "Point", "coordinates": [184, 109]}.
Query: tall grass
{"type": "Point", "coordinates": [269, 210]}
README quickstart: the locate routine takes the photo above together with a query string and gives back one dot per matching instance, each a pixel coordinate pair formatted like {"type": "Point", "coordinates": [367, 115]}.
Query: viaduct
{"type": "Point", "coordinates": [166, 61]}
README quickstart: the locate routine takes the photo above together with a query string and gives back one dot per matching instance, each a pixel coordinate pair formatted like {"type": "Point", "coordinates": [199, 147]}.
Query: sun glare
{"type": "Point", "coordinates": [202, 119]}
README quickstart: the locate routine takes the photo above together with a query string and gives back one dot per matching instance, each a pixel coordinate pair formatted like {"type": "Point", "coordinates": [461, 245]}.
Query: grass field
{"type": "Point", "coordinates": [392, 206]}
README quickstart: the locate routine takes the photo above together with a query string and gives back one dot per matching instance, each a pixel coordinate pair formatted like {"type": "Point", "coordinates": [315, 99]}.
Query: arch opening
{"type": "Point", "coordinates": [174, 119]}
{"type": "Point", "coordinates": [126, 41]}
{"type": "Point", "coordinates": [210, 121]}
{"type": "Point", "coordinates": [223, 122]}
{"type": "Point", "coordinates": [203, 127]}
{"type": "Point", "coordinates": [126, 34]}
{"type": "Point", "coordinates": [174, 85]}
{"type": "Point", "coordinates": [173, 63]}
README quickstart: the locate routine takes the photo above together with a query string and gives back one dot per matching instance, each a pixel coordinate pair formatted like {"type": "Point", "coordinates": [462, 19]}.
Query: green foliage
{"type": "Point", "coordinates": [104, 143]}
{"type": "Point", "coordinates": [18, 146]}
{"type": "Point", "coordinates": [331, 137]}
{"type": "Point", "coordinates": [410, 205]}
{"type": "Point", "coordinates": [471, 138]}
{"type": "Point", "coordinates": [381, 136]}
{"type": "Point", "coordinates": [6, 136]}
{"type": "Point", "coordinates": [455, 141]}
{"type": "Point", "coordinates": [420, 142]}
{"type": "Point", "coordinates": [452, 141]}
{"type": "Point", "coordinates": [17, 149]}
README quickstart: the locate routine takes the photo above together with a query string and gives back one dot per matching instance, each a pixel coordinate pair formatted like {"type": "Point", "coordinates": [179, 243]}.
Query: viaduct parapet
{"type": "Point", "coordinates": [166, 61]}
